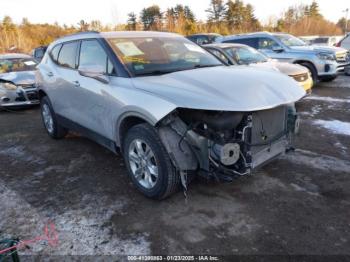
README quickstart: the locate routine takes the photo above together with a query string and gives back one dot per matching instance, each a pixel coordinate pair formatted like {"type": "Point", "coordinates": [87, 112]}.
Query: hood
{"type": "Point", "coordinates": [19, 78]}
{"type": "Point", "coordinates": [318, 49]}
{"type": "Point", "coordinates": [285, 68]}
{"type": "Point", "coordinates": [265, 65]}
{"type": "Point", "coordinates": [223, 88]}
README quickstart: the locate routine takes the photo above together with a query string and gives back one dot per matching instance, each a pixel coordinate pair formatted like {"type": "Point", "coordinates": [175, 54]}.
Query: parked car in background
{"type": "Point", "coordinates": [170, 107]}
{"type": "Point", "coordinates": [308, 39]}
{"type": "Point", "coordinates": [17, 81]}
{"type": "Point", "coordinates": [39, 52]}
{"type": "Point", "coordinates": [238, 54]}
{"type": "Point", "coordinates": [326, 40]}
{"type": "Point", "coordinates": [345, 42]}
{"type": "Point", "coordinates": [203, 39]}
{"type": "Point", "coordinates": [323, 62]}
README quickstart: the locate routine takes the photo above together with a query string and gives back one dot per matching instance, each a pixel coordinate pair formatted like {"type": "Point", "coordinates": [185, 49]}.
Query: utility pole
{"type": "Point", "coordinates": [346, 20]}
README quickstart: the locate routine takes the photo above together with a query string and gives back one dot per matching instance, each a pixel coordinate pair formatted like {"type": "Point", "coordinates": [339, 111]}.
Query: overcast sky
{"type": "Point", "coordinates": [115, 11]}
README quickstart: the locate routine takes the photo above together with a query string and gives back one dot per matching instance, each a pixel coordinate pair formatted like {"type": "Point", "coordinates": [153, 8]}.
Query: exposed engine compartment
{"type": "Point", "coordinates": [230, 143]}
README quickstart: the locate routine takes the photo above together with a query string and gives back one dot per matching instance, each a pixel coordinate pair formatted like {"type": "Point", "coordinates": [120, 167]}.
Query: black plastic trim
{"type": "Point", "coordinates": [100, 139]}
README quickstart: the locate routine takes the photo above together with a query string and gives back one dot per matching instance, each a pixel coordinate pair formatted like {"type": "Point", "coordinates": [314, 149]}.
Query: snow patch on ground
{"type": "Point", "coordinates": [317, 161]}
{"type": "Point", "coordinates": [299, 188]}
{"type": "Point", "coordinates": [335, 126]}
{"type": "Point", "coordinates": [341, 147]}
{"type": "Point", "coordinates": [84, 229]}
{"type": "Point", "coordinates": [18, 153]}
{"type": "Point", "coordinates": [314, 111]}
{"type": "Point", "coordinates": [328, 99]}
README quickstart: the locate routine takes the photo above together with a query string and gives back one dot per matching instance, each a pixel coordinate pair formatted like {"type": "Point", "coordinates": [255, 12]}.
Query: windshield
{"type": "Point", "coordinates": [161, 55]}
{"type": "Point", "coordinates": [246, 55]}
{"type": "Point", "coordinates": [16, 65]}
{"type": "Point", "coordinates": [290, 40]}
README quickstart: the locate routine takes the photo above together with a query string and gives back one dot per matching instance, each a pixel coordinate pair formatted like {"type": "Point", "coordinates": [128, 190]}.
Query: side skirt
{"type": "Point", "coordinates": [103, 141]}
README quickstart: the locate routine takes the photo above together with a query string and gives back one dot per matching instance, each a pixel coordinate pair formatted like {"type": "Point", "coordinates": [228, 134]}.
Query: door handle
{"type": "Point", "coordinates": [76, 83]}
{"type": "Point", "coordinates": [50, 74]}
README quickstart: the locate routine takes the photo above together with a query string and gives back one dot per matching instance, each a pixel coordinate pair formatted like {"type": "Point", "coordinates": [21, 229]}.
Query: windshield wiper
{"type": "Point", "coordinates": [163, 72]}
{"type": "Point", "coordinates": [203, 66]}
{"type": "Point", "coordinates": [155, 72]}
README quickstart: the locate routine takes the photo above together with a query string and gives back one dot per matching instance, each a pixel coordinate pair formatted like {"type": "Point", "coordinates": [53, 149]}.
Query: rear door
{"type": "Point", "coordinates": [65, 74]}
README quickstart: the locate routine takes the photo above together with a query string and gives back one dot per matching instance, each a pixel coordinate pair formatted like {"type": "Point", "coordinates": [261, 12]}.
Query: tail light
{"type": "Point", "coordinates": [339, 43]}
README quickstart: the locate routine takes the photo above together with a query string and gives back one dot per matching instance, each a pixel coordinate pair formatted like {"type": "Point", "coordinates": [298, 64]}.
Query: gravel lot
{"type": "Point", "coordinates": [299, 204]}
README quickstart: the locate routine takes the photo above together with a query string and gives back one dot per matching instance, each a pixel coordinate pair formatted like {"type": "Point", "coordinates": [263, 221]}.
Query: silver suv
{"type": "Point", "coordinates": [167, 105]}
{"type": "Point", "coordinates": [323, 62]}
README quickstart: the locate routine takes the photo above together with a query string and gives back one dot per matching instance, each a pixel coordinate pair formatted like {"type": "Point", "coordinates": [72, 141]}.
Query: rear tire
{"type": "Point", "coordinates": [51, 124]}
{"type": "Point", "coordinates": [148, 163]}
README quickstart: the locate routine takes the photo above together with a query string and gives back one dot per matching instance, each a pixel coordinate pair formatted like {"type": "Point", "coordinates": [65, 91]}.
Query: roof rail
{"type": "Point", "coordinates": [84, 32]}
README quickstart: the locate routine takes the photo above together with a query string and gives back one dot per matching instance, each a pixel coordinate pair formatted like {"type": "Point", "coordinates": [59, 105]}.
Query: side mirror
{"type": "Point", "coordinates": [94, 71]}
{"type": "Point", "coordinates": [277, 49]}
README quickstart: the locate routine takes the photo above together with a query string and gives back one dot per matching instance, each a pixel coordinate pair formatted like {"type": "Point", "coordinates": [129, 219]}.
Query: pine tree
{"type": "Point", "coordinates": [216, 11]}
{"type": "Point", "coordinates": [132, 21]}
{"type": "Point", "coordinates": [314, 10]}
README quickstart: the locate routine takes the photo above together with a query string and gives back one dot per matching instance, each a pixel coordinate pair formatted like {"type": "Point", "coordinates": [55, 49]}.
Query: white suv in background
{"type": "Point", "coordinates": [324, 62]}
{"type": "Point", "coordinates": [345, 42]}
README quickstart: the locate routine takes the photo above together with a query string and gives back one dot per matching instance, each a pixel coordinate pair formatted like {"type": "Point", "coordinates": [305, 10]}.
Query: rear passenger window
{"type": "Point", "coordinates": [67, 55]}
{"type": "Point", "coordinates": [92, 53]}
{"type": "Point", "coordinates": [55, 51]}
{"type": "Point", "coordinates": [267, 43]}
{"type": "Point", "coordinates": [252, 42]}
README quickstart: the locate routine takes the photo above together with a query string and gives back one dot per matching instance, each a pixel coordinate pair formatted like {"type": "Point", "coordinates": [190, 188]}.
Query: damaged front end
{"type": "Point", "coordinates": [225, 144]}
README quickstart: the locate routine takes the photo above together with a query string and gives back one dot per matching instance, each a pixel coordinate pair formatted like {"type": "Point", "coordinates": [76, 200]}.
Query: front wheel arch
{"type": "Point", "coordinates": [312, 68]}
{"type": "Point", "coordinates": [42, 94]}
{"type": "Point", "coordinates": [126, 124]}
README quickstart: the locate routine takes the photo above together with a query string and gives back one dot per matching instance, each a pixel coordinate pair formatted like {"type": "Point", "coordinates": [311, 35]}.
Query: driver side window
{"type": "Point", "coordinates": [92, 53]}
{"type": "Point", "coordinates": [267, 43]}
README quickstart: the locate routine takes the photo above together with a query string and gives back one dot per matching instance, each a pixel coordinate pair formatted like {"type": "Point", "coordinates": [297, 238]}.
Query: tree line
{"type": "Point", "coordinates": [223, 17]}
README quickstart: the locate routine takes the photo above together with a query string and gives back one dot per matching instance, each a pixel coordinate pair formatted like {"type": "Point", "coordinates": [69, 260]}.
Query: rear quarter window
{"type": "Point", "coordinates": [55, 51]}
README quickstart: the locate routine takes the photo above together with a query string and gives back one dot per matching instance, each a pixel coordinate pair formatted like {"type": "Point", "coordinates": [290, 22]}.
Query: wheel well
{"type": "Point", "coordinates": [126, 124]}
{"type": "Point", "coordinates": [305, 62]}
{"type": "Point", "coordinates": [313, 70]}
{"type": "Point", "coordinates": [41, 94]}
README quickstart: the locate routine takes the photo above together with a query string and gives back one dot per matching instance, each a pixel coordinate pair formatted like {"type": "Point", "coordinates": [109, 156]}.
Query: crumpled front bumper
{"type": "Point", "coordinates": [20, 97]}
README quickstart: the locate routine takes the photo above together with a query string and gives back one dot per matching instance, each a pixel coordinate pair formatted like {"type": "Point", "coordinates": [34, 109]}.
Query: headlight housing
{"type": "Point", "coordinates": [8, 86]}
{"type": "Point", "coordinates": [326, 56]}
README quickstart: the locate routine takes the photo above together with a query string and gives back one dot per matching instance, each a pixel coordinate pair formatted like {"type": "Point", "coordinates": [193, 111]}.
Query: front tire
{"type": "Point", "coordinates": [148, 163]}
{"type": "Point", "coordinates": [53, 128]}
